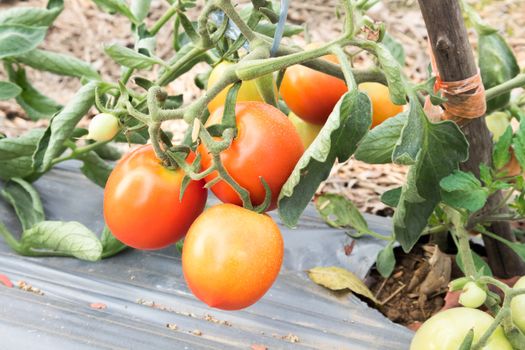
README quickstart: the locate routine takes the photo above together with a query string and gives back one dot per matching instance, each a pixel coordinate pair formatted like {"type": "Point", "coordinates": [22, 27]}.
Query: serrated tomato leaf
{"type": "Point", "coordinates": [377, 146]}
{"type": "Point", "coordinates": [110, 244]}
{"type": "Point", "coordinates": [35, 104]}
{"type": "Point", "coordinates": [26, 202]}
{"type": "Point", "coordinates": [62, 126]}
{"type": "Point", "coordinates": [61, 238]}
{"type": "Point", "coordinates": [9, 90]}
{"type": "Point", "coordinates": [16, 154]}
{"type": "Point", "coordinates": [463, 190]}
{"type": "Point", "coordinates": [345, 127]}
{"type": "Point", "coordinates": [436, 149]}
{"type": "Point", "coordinates": [386, 260]}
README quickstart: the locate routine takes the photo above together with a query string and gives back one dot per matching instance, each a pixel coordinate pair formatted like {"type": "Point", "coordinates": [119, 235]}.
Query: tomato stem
{"type": "Point", "coordinates": [345, 67]}
{"type": "Point", "coordinates": [516, 82]}
{"type": "Point", "coordinates": [228, 9]}
{"type": "Point", "coordinates": [10, 239]}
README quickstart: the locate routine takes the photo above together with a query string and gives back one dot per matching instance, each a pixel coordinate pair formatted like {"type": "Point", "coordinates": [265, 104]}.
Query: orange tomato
{"type": "Point", "coordinates": [382, 106]}
{"type": "Point", "coordinates": [141, 201]}
{"type": "Point", "coordinates": [310, 94]}
{"type": "Point", "coordinates": [231, 256]}
{"type": "Point", "coordinates": [267, 145]}
{"type": "Point", "coordinates": [247, 92]}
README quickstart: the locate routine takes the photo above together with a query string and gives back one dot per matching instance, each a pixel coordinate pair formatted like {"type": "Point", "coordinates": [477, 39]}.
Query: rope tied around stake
{"type": "Point", "coordinates": [465, 98]}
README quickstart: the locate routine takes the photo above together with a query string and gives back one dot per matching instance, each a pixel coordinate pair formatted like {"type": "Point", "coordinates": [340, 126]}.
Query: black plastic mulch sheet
{"type": "Point", "coordinates": [144, 292]}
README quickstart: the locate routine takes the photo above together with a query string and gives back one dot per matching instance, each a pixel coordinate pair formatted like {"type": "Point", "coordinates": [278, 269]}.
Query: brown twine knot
{"type": "Point", "coordinates": [465, 98]}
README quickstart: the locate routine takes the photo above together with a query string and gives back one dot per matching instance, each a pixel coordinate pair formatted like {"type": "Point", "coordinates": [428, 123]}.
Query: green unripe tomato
{"type": "Point", "coordinates": [307, 131]}
{"type": "Point", "coordinates": [103, 127]}
{"type": "Point", "coordinates": [447, 329]}
{"type": "Point", "coordinates": [497, 123]}
{"type": "Point", "coordinates": [517, 306]}
{"type": "Point", "coordinates": [472, 296]}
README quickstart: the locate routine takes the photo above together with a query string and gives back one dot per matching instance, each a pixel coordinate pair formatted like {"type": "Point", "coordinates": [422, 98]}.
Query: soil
{"type": "Point", "coordinates": [402, 298]}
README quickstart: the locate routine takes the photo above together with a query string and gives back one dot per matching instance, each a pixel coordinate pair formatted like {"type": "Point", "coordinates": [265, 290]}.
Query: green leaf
{"type": "Point", "coordinates": [95, 168]}
{"type": "Point", "coordinates": [16, 39]}
{"type": "Point", "coordinates": [437, 149]}
{"type": "Point", "coordinates": [377, 146]}
{"type": "Point", "coordinates": [463, 190]}
{"type": "Point", "coordinates": [26, 202]}
{"type": "Point", "coordinates": [501, 151]}
{"type": "Point", "coordinates": [481, 265]}
{"type": "Point", "coordinates": [497, 64]}
{"type": "Point", "coordinates": [9, 90]}
{"type": "Point", "coordinates": [337, 278]}
{"type": "Point", "coordinates": [391, 197]}
{"type": "Point", "coordinates": [110, 244]}
{"type": "Point", "coordinates": [117, 6]}
{"type": "Point", "coordinates": [35, 104]}
{"type": "Point", "coordinates": [16, 154]}
{"type": "Point", "coordinates": [30, 16]}
{"type": "Point", "coordinates": [395, 48]}
{"type": "Point", "coordinates": [62, 126]}
{"type": "Point", "coordinates": [338, 211]}
{"type": "Point", "coordinates": [130, 58]}
{"type": "Point", "coordinates": [392, 71]}
{"type": "Point", "coordinates": [58, 63]}
{"type": "Point", "coordinates": [140, 9]}
{"type": "Point", "coordinates": [485, 174]}
{"type": "Point", "coordinates": [61, 238]}
{"type": "Point", "coordinates": [108, 152]}
{"type": "Point", "coordinates": [345, 127]}
{"type": "Point", "coordinates": [386, 260]}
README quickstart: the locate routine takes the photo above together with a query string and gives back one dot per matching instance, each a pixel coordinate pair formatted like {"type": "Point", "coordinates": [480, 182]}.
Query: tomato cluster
{"type": "Point", "coordinates": [231, 255]}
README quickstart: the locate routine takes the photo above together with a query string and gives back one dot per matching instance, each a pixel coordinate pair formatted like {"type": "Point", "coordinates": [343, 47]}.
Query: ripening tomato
{"type": "Point", "coordinates": [497, 123]}
{"type": "Point", "coordinates": [382, 106]}
{"type": "Point", "coordinates": [310, 94]}
{"type": "Point", "coordinates": [472, 295]}
{"type": "Point", "coordinates": [307, 131]}
{"type": "Point", "coordinates": [267, 145]}
{"type": "Point", "coordinates": [103, 127]}
{"type": "Point", "coordinates": [247, 92]}
{"type": "Point", "coordinates": [517, 306]}
{"type": "Point", "coordinates": [231, 256]}
{"type": "Point", "coordinates": [447, 329]}
{"type": "Point", "coordinates": [141, 201]}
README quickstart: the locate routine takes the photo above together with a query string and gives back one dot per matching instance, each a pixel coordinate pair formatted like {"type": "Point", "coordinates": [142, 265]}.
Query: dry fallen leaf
{"type": "Point", "coordinates": [337, 278]}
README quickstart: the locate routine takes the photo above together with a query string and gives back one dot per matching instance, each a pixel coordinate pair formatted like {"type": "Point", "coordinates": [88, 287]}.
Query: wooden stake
{"type": "Point", "coordinates": [455, 61]}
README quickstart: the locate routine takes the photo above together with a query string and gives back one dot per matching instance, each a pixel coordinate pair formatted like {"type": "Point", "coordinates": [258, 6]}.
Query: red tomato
{"type": "Point", "coordinates": [231, 256]}
{"type": "Point", "coordinates": [141, 201]}
{"type": "Point", "coordinates": [310, 94]}
{"type": "Point", "coordinates": [266, 145]}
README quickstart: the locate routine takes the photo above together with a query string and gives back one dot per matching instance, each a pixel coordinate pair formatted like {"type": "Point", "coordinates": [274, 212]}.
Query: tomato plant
{"type": "Point", "coordinates": [249, 153]}
{"type": "Point", "coordinates": [447, 329]}
{"type": "Point", "coordinates": [142, 204]}
{"type": "Point", "coordinates": [231, 256]}
{"type": "Point", "coordinates": [266, 146]}
{"type": "Point", "coordinates": [310, 94]}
